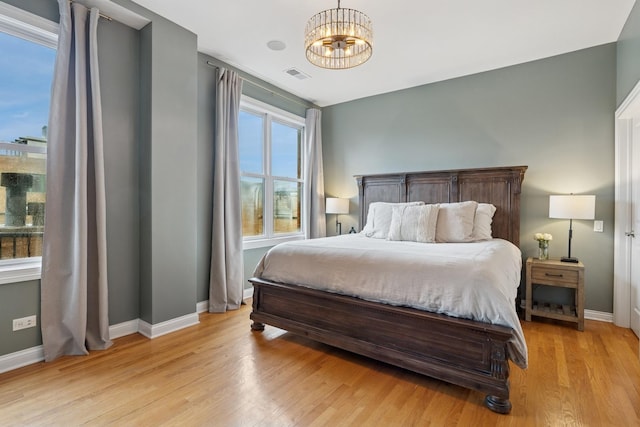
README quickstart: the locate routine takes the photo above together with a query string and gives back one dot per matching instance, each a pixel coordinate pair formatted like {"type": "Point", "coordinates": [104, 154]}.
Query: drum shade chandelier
{"type": "Point", "coordinates": [338, 38]}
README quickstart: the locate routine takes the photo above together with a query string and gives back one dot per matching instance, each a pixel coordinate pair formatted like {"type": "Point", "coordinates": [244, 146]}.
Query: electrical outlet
{"type": "Point", "coordinates": [598, 226]}
{"type": "Point", "coordinates": [24, 323]}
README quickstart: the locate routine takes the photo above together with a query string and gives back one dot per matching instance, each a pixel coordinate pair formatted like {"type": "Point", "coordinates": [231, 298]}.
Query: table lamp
{"type": "Point", "coordinates": [572, 207]}
{"type": "Point", "coordinates": [337, 206]}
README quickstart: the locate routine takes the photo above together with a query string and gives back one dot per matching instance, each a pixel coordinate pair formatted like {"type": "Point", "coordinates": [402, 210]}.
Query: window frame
{"type": "Point", "coordinates": [25, 25]}
{"type": "Point", "coordinates": [271, 114]}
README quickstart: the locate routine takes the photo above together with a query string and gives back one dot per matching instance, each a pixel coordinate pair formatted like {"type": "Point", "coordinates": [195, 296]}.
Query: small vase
{"type": "Point", "coordinates": [543, 250]}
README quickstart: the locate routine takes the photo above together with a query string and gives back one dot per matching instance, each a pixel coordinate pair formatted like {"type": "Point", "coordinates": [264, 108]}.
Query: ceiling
{"type": "Point", "coordinates": [415, 41]}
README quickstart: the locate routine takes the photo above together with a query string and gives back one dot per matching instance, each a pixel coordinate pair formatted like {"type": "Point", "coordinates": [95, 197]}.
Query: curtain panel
{"type": "Point", "coordinates": [314, 179]}
{"type": "Point", "coordinates": [74, 300]}
{"type": "Point", "coordinates": [227, 265]}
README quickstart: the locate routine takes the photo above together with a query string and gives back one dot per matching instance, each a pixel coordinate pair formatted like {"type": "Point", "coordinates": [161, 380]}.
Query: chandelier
{"type": "Point", "coordinates": [338, 38]}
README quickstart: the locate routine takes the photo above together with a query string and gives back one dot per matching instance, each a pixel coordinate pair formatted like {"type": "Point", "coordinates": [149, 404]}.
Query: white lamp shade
{"type": "Point", "coordinates": [572, 206]}
{"type": "Point", "coordinates": [337, 206]}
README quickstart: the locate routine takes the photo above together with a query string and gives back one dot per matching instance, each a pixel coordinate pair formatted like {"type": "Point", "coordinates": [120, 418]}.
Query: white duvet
{"type": "Point", "coordinates": [477, 281]}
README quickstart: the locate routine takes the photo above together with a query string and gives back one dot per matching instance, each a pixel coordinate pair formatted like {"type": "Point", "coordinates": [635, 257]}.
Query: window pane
{"type": "Point", "coordinates": [26, 70]}
{"type": "Point", "coordinates": [252, 194]}
{"type": "Point", "coordinates": [285, 151]}
{"type": "Point", "coordinates": [286, 206]}
{"type": "Point", "coordinates": [250, 140]}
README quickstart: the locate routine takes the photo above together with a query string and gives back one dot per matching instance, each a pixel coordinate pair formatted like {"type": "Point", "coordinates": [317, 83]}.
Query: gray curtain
{"type": "Point", "coordinates": [314, 179]}
{"type": "Point", "coordinates": [74, 260]}
{"type": "Point", "coordinates": [227, 266]}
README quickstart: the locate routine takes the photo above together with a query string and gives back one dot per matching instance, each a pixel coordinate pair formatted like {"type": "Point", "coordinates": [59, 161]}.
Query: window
{"type": "Point", "coordinates": [272, 174]}
{"type": "Point", "coordinates": [26, 71]}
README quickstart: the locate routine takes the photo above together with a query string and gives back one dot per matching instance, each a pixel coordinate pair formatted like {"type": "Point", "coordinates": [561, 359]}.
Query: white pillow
{"type": "Point", "coordinates": [482, 222]}
{"type": "Point", "coordinates": [414, 223]}
{"type": "Point", "coordinates": [455, 222]}
{"type": "Point", "coordinates": [379, 218]}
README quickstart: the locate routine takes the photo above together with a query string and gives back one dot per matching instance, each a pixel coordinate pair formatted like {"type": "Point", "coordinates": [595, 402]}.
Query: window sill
{"type": "Point", "coordinates": [20, 271]}
{"type": "Point", "coordinates": [263, 243]}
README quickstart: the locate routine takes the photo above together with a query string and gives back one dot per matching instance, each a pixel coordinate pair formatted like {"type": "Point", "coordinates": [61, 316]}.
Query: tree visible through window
{"type": "Point", "coordinates": [26, 70]}
{"type": "Point", "coordinates": [271, 172]}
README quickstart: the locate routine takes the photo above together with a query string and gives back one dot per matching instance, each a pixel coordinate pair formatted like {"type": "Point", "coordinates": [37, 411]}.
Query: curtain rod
{"type": "Point", "coordinates": [271, 91]}
{"type": "Point", "coordinates": [102, 15]}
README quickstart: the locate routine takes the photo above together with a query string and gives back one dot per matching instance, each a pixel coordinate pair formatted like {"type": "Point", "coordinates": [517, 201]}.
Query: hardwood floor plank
{"type": "Point", "coordinates": [221, 373]}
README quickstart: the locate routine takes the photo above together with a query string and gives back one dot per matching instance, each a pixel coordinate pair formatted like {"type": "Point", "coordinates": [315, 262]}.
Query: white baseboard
{"type": "Point", "coordinates": [18, 359]}
{"type": "Point", "coordinates": [163, 328]}
{"type": "Point", "coordinates": [32, 355]}
{"type": "Point", "coordinates": [124, 328]}
{"type": "Point", "coordinates": [21, 358]}
{"type": "Point", "coordinates": [601, 316]}
{"type": "Point", "coordinates": [203, 306]}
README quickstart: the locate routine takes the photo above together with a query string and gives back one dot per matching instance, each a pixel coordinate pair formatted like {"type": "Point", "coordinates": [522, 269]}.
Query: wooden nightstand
{"type": "Point", "coordinates": [552, 272]}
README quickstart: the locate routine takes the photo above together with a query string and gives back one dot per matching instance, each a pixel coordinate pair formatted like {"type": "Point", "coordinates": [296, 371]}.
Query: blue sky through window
{"type": "Point", "coordinates": [26, 69]}
{"type": "Point", "coordinates": [285, 148]}
{"type": "Point", "coordinates": [250, 142]}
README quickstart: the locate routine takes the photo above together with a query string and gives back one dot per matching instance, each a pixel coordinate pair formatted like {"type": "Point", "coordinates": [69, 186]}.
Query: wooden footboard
{"type": "Point", "coordinates": [463, 352]}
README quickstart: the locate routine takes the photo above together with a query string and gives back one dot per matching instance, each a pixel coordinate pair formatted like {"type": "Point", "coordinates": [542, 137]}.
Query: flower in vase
{"type": "Point", "coordinates": [543, 244]}
{"type": "Point", "coordinates": [542, 237]}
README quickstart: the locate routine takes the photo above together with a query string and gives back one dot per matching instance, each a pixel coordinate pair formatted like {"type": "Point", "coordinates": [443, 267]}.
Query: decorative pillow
{"type": "Point", "coordinates": [482, 222]}
{"type": "Point", "coordinates": [414, 223]}
{"type": "Point", "coordinates": [455, 222]}
{"type": "Point", "coordinates": [379, 218]}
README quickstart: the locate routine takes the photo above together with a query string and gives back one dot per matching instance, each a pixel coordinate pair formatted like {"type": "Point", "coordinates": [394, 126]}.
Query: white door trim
{"type": "Point", "coordinates": [629, 109]}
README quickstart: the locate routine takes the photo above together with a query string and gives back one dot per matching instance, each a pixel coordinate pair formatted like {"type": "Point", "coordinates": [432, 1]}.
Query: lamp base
{"type": "Point", "coordinates": [568, 259]}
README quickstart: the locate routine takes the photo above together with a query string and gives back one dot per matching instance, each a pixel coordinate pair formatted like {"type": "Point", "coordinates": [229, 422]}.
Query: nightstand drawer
{"type": "Point", "coordinates": [542, 274]}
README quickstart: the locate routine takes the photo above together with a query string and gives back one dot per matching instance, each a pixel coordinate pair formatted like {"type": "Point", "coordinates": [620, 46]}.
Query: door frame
{"type": "Point", "coordinates": [628, 109]}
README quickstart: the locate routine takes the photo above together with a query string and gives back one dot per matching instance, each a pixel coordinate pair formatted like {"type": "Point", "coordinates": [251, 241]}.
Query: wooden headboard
{"type": "Point", "coordinates": [499, 186]}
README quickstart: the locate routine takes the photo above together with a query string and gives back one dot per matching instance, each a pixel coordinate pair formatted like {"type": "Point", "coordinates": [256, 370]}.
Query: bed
{"type": "Point", "coordinates": [466, 352]}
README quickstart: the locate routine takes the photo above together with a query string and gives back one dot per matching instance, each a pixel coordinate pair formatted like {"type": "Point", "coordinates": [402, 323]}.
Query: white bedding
{"type": "Point", "coordinates": [477, 281]}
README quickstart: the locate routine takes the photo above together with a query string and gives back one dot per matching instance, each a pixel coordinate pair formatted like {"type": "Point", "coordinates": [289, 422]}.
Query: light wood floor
{"type": "Point", "coordinates": [219, 373]}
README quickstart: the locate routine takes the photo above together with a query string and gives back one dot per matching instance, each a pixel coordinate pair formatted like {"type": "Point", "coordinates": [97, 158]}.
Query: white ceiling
{"type": "Point", "coordinates": [415, 41]}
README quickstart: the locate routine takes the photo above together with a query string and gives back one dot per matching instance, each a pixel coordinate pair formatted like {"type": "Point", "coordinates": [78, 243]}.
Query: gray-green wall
{"type": "Point", "coordinates": [168, 175]}
{"type": "Point", "coordinates": [119, 53]}
{"type": "Point", "coordinates": [554, 115]}
{"type": "Point", "coordinates": [628, 58]}
{"type": "Point", "coordinates": [43, 8]}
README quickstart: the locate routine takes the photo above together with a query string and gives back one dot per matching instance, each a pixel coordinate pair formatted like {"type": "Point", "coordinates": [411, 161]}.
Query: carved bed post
{"type": "Point", "coordinates": [499, 370]}
{"type": "Point", "coordinates": [454, 192]}
{"type": "Point", "coordinates": [405, 189]}
{"type": "Point", "coordinates": [518, 176]}
{"type": "Point", "coordinates": [257, 296]}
